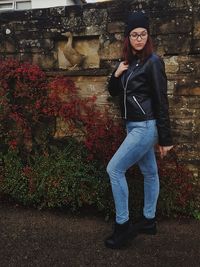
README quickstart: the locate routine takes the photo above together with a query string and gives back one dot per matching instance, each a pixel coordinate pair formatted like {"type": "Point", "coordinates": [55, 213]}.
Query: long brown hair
{"type": "Point", "coordinates": [143, 55]}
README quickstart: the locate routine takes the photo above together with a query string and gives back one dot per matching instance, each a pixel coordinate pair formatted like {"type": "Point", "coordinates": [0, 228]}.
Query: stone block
{"type": "Point", "coordinates": [111, 50]}
{"type": "Point", "coordinates": [25, 57]}
{"type": "Point", "coordinates": [194, 102]}
{"type": "Point", "coordinates": [171, 64]}
{"type": "Point", "coordinates": [42, 13]}
{"type": "Point", "coordinates": [170, 87]}
{"type": "Point", "coordinates": [172, 24]}
{"type": "Point", "coordinates": [114, 27]}
{"type": "Point", "coordinates": [109, 64]}
{"type": "Point", "coordinates": [98, 17]}
{"type": "Point", "coordinates": [89, 86]}
{"type": "Point", "coordinates": [48, 61]}
{"type": "Point", "coordinates": [189, 155]}
{"type": "Point", "coordinates": [184, 124]}
{"type": "Point", "coordinates": [57, 11]}
{"type": "Point", "coordinates": [188, 90]}
{"type": "Point", "coordinates": [195, 47]}
{"type": "Point", "coordinates": [189, 65]}
{"type": "Point", "coordinates": [182, 113]}
{"type": "Point", "coordinates": [196, 30]}
{"type": "Point", "coordinates": [183, 136]}
{"type": "Point", "coordinates": [180, 4]}
{"type": "Point", "coordinates": [2, 46]}
{"type": "Point", "coordinates": [63, 130]}
{"type": "Point", "coordinates": [179, 101]}
{"type": "Point", "coordinates": [174, 44]}
{"type": "Point", "coordinates": [36, 45]}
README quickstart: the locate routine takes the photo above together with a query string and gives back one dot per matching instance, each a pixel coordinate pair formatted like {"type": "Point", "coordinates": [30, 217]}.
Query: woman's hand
{"type": "Point", "coordinates": [163, 150]}
{"type": "Point", "coordinates": [121, 68]}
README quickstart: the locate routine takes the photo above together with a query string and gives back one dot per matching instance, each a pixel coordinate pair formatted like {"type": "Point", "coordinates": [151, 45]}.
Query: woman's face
{"type": "Point", "coordinates": [138, 38]}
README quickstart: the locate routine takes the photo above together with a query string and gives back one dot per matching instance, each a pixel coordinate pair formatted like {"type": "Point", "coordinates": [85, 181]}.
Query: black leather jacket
{"type": "Point", "coordinates": [143, 94]}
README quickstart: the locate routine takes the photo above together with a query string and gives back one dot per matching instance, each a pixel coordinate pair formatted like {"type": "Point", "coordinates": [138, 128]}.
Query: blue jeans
{"type": "Point", "coordinates": [138, 147]}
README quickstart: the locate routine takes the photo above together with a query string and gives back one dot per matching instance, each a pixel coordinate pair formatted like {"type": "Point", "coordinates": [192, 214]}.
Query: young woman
{"type": "Point", "coordinates": [141, 83]}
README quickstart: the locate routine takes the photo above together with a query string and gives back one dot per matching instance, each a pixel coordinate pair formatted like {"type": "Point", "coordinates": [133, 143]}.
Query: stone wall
{"type": "Point", "coordinates": [41, 36]}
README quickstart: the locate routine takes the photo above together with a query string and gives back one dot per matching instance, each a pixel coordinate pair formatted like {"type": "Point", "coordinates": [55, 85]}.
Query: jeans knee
{"type": "Point", "coordinates": [112, 170]}
{"type": "Point", "coordinates": [109, 169]}
{"type": "Point", "coordinates": [151, 176]}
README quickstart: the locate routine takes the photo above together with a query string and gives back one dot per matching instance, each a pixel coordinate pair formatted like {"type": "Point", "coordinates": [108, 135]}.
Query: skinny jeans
{"type": "Point", "coordinates": [137, 148]}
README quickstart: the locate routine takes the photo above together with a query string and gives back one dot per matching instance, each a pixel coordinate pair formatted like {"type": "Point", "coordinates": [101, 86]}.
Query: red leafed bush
{"type": "Point", "coordinates": [22, 94]}
{"type": "Point", "coordinates": [99, 132]}
{"type": "Point", "coordinates": [29, 101]}
{"type": "Point", "coordinates": [179, 187]}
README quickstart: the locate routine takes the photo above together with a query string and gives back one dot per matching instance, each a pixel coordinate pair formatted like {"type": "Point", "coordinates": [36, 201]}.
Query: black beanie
{"type": "Point", "coordinates": [136, 20]}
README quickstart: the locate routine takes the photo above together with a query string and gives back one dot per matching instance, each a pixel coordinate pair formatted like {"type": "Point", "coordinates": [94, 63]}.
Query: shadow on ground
{"type": "Point", "coordinates": [42, 238]}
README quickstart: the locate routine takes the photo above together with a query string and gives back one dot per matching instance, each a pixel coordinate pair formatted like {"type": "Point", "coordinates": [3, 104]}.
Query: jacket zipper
{"type": "Point", "coordinates": [125, 87]}
{"type": "Point", "coordinates": [139, 105]}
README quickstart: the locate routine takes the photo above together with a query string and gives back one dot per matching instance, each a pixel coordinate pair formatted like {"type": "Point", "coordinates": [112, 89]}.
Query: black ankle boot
{"type": "Point", "coordinates": [122, 233]}
{"type": "Point", "coordinates": [146, 226]}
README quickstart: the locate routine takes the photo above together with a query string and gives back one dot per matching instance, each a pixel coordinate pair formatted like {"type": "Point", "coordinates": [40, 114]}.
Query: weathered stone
{"type": "Point", "coordinates": [72, 23]}
{"type": "Point", "coordinates": [90, 86]}
{"type": "Point", "coordinates": [193, 91]}
{"type": "Point", "coordinates": [196, 47]}
{"type": "Point", "coordinates": [184, 102]}
{"type": "Point", "coordinates": [96, 16]}
{"type": "Point", "coordinates": [197, 27]}
{"type": "Point", "coordinates": [109, 64]}
{"type": "Point", "coordinates": [171, 64]}
{"type": "Point", "coordinates": [170, 86]}
{"type": "Point", "coordinates": [173, 25]}
{"type": "Point", "coordinates": [180, 3]}
{"type": "Point", "coordinates": [75, 73]}
{"type": "Point", "coordinates": [57, 12]}
{"type": "Point", "coordinates": [62, 129]}
{"type": "Point", "coordinates": [10, 47]}
{"type": "Point", "coordinates": [35, 46]}
{"type": "Point", "coordinates": [182, 113]}
{"type": "Point", "coordinates": [192, 161]}
{"type": "Point", "coordinates": [25, 57]}
{"type": "Point", "coordinates": [188, 65]}
{"type": "Point", "coordinates": [2, 47]}
{"type": "Point", "coordinates": [186, 124]}
{"type": "Point", "coordinates": [115, 11]}
{"type": "Point", "coordinates": [194, 102]}
{"type": "Point", "coordinates": [188, 89]}
{"type": "Point", "coordinates": [45, 61]}
{"type": "Point", "coordinates": [183, 136]}
{"type": "Point", "coordinates": [176, 43]}
{"type": "Point", "coordinates": [114, 27]}
{"type": "Point", "coordinates": [25, 25]}
{"type": "Point", "coordinates": [42, 13]}
{"type": "Point", "coordinates": [111, 50]}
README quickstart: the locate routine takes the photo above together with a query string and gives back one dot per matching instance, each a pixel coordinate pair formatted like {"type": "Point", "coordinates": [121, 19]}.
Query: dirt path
{"type": "Point", "coordinates": [41, 238]}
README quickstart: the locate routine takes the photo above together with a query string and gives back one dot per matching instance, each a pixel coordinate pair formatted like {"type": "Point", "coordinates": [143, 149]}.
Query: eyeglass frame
{"type": "Point", "coordinates": [138, 35]}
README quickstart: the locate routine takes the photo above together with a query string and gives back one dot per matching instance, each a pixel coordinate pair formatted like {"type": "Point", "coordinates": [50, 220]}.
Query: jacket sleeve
{"type": "Point", "coordinates": [114, 85]}
{"type": "Point", "coordinates": [158, 80]}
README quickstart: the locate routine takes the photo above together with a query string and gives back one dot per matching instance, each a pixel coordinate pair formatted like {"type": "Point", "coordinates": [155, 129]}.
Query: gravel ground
{"type": "Point", "coordinates": [53, 238]}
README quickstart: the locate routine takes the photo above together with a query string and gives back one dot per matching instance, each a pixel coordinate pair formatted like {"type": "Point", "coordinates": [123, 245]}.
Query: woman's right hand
{"type": "Point", "coordinates": [121, 68]}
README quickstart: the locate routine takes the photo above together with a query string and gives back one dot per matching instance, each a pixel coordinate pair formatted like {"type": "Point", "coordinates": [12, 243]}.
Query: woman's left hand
{"type": "Point", "coordinates": [163, 150]}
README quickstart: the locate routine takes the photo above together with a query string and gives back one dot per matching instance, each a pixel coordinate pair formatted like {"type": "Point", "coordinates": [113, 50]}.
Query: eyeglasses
{"type": "Point", "coordinates": [135, 35]}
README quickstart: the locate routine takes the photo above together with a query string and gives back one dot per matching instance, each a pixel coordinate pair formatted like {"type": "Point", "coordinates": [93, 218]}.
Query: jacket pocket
{"type": "Point", "coordinates": [138, 104]}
